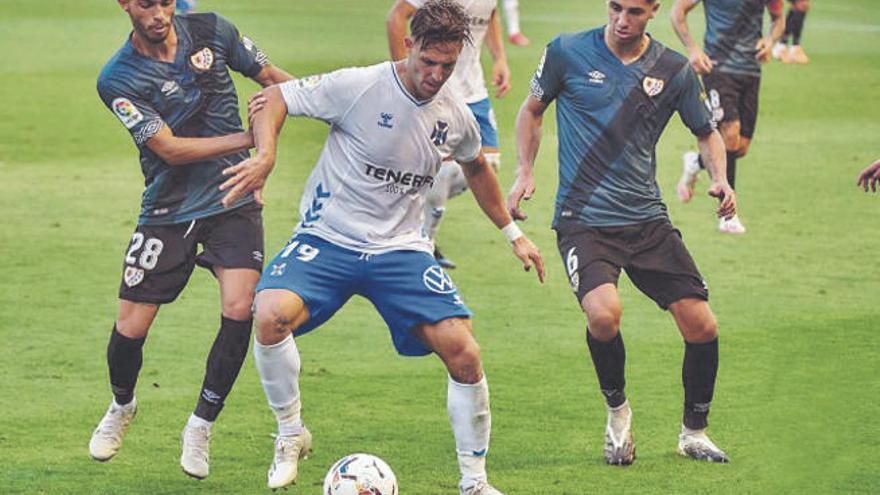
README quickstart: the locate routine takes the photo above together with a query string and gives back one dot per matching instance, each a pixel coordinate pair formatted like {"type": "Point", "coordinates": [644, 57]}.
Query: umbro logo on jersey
{"type": "Point", "coordinates": [169, 88]}
{"type": "Point", "coordinates": [441, 132]}
{"type": "Point", "coordinates": [385, 120]}
{"type": "Point", "coordinates": [597, 77]}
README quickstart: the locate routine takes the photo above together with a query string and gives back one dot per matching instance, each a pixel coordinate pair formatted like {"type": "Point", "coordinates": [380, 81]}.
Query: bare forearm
{"type": "Point", "coordinates": [680, 25]}
{"type": "Point", "coordinates": [483, 183]}
{"type": "Point", "coordinates": [267, 123]}
{"type": "Point", "coordinates": [714, 156]}
{"type": "Point", "coordinates": [528, 139]}
{"type": "Point", "coordinates": [396, 27]}
{"type": "Point", "coordinates": [185, 150]}
{"type": "Point", "coordinates": [777, 28]}
{"type": "Point", "coordinates": [494, 39]}
{"type": "Point", "coordinates": [271, 75]}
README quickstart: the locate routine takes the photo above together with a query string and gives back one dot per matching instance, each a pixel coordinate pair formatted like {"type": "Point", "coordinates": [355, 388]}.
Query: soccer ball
{"type": "Point", "coordinates": [360, 474]}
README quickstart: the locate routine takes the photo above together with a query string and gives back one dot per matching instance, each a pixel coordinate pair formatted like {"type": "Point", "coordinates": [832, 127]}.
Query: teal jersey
{"type": "Point", "coordinates": [195, 97]}
{"type": "Point", "coordinates": [609, 118]}
{"type": "Point", "coordinates": [733, 29]}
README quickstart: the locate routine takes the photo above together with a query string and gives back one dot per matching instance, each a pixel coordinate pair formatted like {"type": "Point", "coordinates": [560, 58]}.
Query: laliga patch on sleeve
{"type": "Point", "coordinates": [127, 112]}
{"type": "Point", "coordinates": [309, 82]}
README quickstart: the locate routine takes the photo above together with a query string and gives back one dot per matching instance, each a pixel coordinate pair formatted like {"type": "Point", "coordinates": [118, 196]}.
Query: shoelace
{"type": "Point", "coordinates": [285, 448]}
{"type": "Point", "coordinates": [112, 424]}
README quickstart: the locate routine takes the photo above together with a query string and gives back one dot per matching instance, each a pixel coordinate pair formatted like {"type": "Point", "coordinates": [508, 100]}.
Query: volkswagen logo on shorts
{"type": "Point", "coordinates": [436, 280]}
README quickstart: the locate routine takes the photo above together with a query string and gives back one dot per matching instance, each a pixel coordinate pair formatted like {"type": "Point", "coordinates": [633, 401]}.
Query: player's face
{"type": "Point", "coordinates": [151, 18]}
{"type": "Point", "coordinates": [629, 18]}
{"type": "Point", "coordinates": [429, 67]}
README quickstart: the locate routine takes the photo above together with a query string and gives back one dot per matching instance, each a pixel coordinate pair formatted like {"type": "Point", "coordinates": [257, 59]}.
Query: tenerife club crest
{"type": "Point", "coordinates": [202, 60]}
{"type": "Point", "coordinates": [652, 86]}
{"type": "Point", "coordinates": [441, 132]}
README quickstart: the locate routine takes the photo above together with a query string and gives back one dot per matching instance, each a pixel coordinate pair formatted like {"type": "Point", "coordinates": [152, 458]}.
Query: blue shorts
{"type": "Point", "coordinates": [407, 287]}
{"type": "Point", "coordinates": [482, 110]}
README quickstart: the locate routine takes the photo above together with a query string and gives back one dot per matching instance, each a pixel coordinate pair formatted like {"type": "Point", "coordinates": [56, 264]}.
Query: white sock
{"type": "Point", "coordinates": [127, 407]}
{"type": "Point", "coordinates": [195, 422]}
{"type": "Point", "coordinates": [279, 367]}
{"type": "Point", "coordinates": [449, 182]}
{"type": "Point", "coordinates": [511, 15]}
{"type": "Point", "coordinates": [468, 407]}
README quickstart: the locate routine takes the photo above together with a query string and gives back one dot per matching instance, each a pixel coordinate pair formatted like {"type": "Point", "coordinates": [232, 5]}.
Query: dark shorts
{"type": "Point", "coordinates": [734, 97]}
{"type": "Point", "coordinates": [652, 253]}
{"type": "Point", "coordinates": [160, 258]}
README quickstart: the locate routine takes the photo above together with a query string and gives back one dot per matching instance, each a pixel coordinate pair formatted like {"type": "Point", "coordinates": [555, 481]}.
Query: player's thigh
{"type": "Point", "coordinates": [663, 269]}
{"type": "Point", "coordinates": [158, 262]}
{"type": "Point", "coordinates": [724, 95]}
{"type": "Point", "coordinates": [409, 289]}
{"type": "Point", "coordinates": [748, 107]}
{"type": "Point", "coordinates": [232, 239]}
{"type": "Point", "coordinates": [592, 256]}
{"type": "Point", "coordinates": [323, 275]}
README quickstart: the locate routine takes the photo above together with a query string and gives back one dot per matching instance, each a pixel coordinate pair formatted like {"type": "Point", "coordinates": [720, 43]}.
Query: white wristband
{"type": "Point", "coordinates": [512, 232]}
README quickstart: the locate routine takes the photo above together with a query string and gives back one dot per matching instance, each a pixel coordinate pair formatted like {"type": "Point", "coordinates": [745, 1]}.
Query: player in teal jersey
{"type": "Point", "coordinates": [615, 90]}
{"type": "Point", "coordinates": [169, 85]}
{"type": "Point", "coordinates": [731, 68]}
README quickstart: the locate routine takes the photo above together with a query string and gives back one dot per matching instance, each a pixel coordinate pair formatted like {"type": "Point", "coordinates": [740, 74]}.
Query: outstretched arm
{"type": "Point", "coordinates": [712, 151]}
{"type": "Point", "coordinates": [701, 62]}
{"type": "Point", "coordinates": [175, 150]}
{"type": "Point", "coordinates": [484, 184]}
{"type": "Point", "coordinates": [528, 140]}
{"type": "Point", "coordinates": [395, 24]}
{"type": "Point", "coordinates": [250, 175]}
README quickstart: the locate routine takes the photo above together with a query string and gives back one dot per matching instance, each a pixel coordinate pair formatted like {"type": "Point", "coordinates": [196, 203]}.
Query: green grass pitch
{"type": "Point", "coordinates": [796, 297]}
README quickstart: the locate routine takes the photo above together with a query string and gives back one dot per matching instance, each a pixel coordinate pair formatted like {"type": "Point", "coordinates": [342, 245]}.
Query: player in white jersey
{"type": "Point", "coordinates": [468, 83]}
{"type": "Point", "coordinates": [361, 230]}
{"type": "Point", "coordinates": [511, 18]}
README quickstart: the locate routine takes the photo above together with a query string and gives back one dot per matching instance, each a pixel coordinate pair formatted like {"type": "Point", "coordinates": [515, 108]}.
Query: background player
{"type": "Point", "coordinates": [511, 18]}
{"type": "Point", "coordinates": [361, 232]}
{"type": "Point", "coordinates": [615, 90]}
{"type": "Point", "coordinates": [731, 70]}
{"type": "Point", "coordinates": [170, 87]}
{"type": "Point", "coordinates": [794, 27]}
{"type": "Point", "coordinates": [468, 82]}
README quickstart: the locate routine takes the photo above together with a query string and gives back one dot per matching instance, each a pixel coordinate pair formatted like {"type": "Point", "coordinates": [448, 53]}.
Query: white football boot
{"type": "Point", "coordinates": [779, 49]}
{"type": "Point", "coordinates": [732, 226]}
{"type": "Point", "coordinates": [288, 451]}
{"type": "Point", "coordinates": [107, 437]}
{"type": "Point", "coordinates": [696, 445]}
{"type": "Point", "coordinates": [194, 455]}
{"type": "Point", "coordinates": [620, 449]}
{"type": "Point", "coordinates": [690, 170]}
{"type": "Point", "coordinates": [480, 488]}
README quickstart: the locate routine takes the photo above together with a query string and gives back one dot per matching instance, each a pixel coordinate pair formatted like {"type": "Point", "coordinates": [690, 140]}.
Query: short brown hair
{"type": "Point", "coordinates": [440, 21]}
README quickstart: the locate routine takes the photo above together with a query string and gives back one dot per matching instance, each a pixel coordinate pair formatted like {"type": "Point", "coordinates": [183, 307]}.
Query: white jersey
{"type": "Point", "coordinates": [366, 192]}
{"type": "Point", "coordinates": [467, 79]}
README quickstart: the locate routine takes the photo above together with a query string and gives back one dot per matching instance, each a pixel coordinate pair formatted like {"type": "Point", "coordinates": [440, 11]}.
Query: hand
{"type": "Point", "coordinates": [701, 62]}
{"type": "Point", "coordinates": [249, 175]}
{"type": "Point", "coordinates": [501, 78]}
{"type": "Point", "coordinates": [765, 50]}
{"type": "Point", "coordinates": [255, 104]}
{"type": "Point", "coordinates": [522, 189]}
{"type": "Point", "coordinates": [870, 175]}
{"type": "Point", "coordinates": [528, 253]}
{"type": "Point", "coordinates": [726, 196]}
